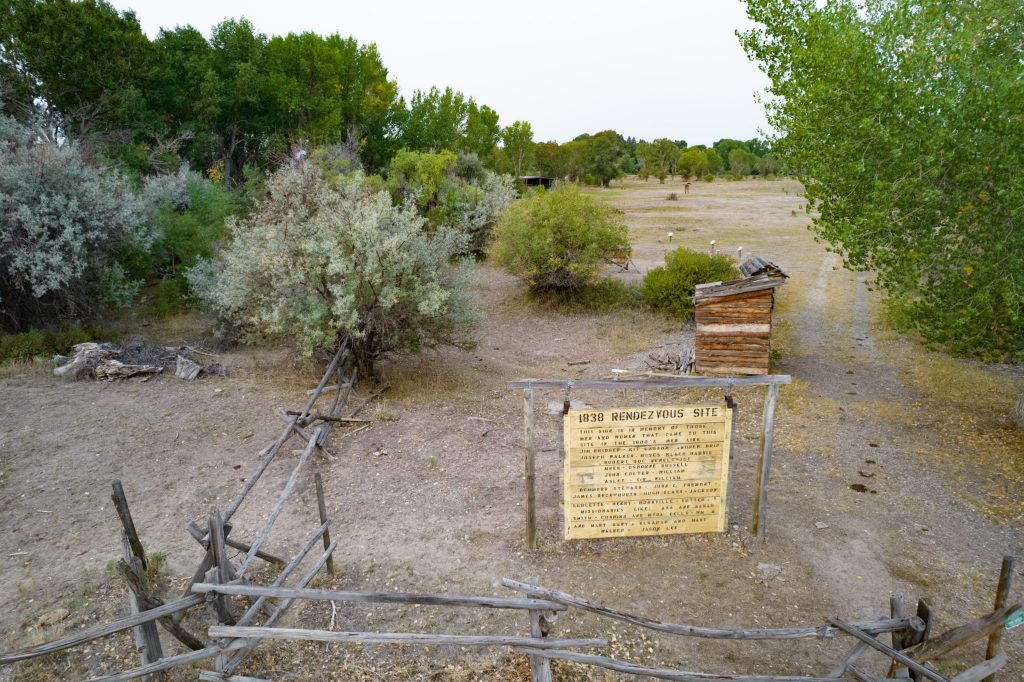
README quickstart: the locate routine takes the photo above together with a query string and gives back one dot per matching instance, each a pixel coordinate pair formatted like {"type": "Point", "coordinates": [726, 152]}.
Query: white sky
{"type": "Point", "coordinates": [646, 68]}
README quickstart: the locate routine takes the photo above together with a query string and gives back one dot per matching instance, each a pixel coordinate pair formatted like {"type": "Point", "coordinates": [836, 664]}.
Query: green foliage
{"type": "Point", "coordinates": [692, 162]}
{"type": "Point", "coordinates": [322, 259]}
{"type": "Point", "coordinates": [519, 145]}
{"type": "Point", "coordinates": [661, 158]}
{"type": "Point", "coordinates": [671, 287]}
{"type": "Point", "coordinates": [559, 239]}
{"type": "Point", "coordinates": [604, 295]}
{"type": "Point", "coordinates": [418, 176]}
{"type": "Point", "coordinates": [741, 162]}
{"type": "Point", "coordinates": [40, 343]}
{"type": "Point", "coordinates": [901, 119]}
{"type": "Point", "coordinates": [61, 223]}
{"type": "Point", "coordinates": [169, 295]}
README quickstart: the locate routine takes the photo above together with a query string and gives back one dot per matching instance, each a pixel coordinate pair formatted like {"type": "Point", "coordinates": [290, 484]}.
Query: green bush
{"type": "Point", "coordinates": [559, 239]}
{"type": "Point", "coordinates": [709, 178]}
{"type": "Point", "coordinates": [168, 296]}
{"type": "Point", "coordinates": [40, 343]}
{"type": "Point", "coordinates": [671, 286]}
{"type": "Point", "coordinates": [602, 296]}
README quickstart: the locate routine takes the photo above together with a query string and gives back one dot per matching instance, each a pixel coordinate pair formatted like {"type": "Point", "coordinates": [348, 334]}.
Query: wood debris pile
{"type": "Point", "coordinates": [134, 357]}
{"type": "Point", "coordinates": [677, 363]}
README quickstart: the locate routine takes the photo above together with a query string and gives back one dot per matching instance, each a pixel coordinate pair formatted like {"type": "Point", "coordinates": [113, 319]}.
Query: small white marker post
{"type": "Point", "coordinates": [739, 254]}
{"type": "Point", "coordinates": [670, 236]}
{"type": "Point", "coordinates": [712, 246]}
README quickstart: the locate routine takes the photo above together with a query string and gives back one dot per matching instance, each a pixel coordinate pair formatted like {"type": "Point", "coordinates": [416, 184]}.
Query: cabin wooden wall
{"type": "Point", "coordinates": [734, 333]}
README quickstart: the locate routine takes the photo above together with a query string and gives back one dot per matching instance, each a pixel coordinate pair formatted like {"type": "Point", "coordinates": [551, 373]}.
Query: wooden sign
{"type": "Point", "coordinates": [646, 471]}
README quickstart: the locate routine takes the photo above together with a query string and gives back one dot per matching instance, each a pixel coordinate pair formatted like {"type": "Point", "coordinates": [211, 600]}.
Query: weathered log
{"type": "Point", "coordinates": [666, 382]}
{"type": "Point", "coordinates": [764, 462]}
{"type": "Point", "coordinates": [1002, 594]}
{"type": "Point", "coordinates": [261, 536]}
{"type": "Point", "coordinates": [878, 626]}
{"type": "Point", "coordinates": [103, 630]}
{"type": "Point", "coordinates": [983, 670]}
{"type": "Point", "coordinates": [888, 651]}
{"type": "Point", "coordinates": [659, 673]}
{"type": "Point", "coordinates": [413, 638]}
{"type": "Point", "coordinates": [148, 601]}
{"type": "Point", "coordinates": [238, 658]}
{"type": "Point", "coordinates": [423, 599]}
{"type": "Point", "coordinates": [166, 664]}
{"type": "Point", "coordinates": [965, 634]}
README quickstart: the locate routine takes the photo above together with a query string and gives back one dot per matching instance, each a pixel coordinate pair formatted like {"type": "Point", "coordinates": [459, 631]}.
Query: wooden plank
{"type": "Point", "coordinates": [103, 630]}
{"type": "Point", "coordinates": [530, 465]}
{"type": "Point", "coordinates": [411, 638]}
{"type": "Point", "coordinates": [225, 571]}
{"type": "Point", "coordinates": [261, 536]}
{"type": "Point", "coordinates": [924, 613]}
{"type": "Point", "coordinates": [147, 601]}
{"type": "Point", "coordinates": [764, 462]}
{"type": "Point", "coordinates": [322, 508]}
{"type": "Point", "coordinates": [819, 631]}
{"type": "Point", "coordinates": [992, 649]}
{"type": "Point", "coordinates": [420, 598]}
{"type": "Point", "coordinates": [212, 676]}
{"type": "Point", "coordinates": [899, 639]}
{"type": "Point", "coordinates": [888, 651]}
{"type": "Point", "coordinates": [540, 668]}
{"type": "Point", "coordinates": [145, 636]}
{"type": "Point", "coordinates": [727, 328]}
{"type": "Point", "coordinates": [127, 522]}
{"type": "Point", "coordinates": [240, 657]}
{"type": "Point", "coordinates": [281, 577]}
{"type": "Point", "coordinates": [167, 663]}
{"type": "Point", "coordinates": [983, 671]}
{"type": "Point", "coordinates": [965, 634]}
{"type": "Point", "coordinates": [666, 382]}
{"type": "Point", "coordinates": [732, 370]}
{"type": "Point", "coordinates": [858, 650]}
{"type": "Point", "coordinates": [659, 673]}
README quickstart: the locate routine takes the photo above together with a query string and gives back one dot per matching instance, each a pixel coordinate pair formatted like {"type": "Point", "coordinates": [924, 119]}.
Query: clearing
{"type": "Point", "coordinates": [431, 497]}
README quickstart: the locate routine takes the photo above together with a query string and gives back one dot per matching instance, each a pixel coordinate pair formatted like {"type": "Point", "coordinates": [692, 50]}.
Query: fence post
{"type": "Point", "coordinates": [764, 461]}
{"type": "Point", "coordinates": [1002, 593]}
{"type": "Point", "coordinates": [531, 452]}
{"type": "Point", "coordinates": [322, 506]}
{"type": "Point", "coordinates": [540, 668]}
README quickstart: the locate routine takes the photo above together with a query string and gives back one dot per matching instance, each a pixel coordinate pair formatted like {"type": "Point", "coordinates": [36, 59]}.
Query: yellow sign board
{"type": "Point", "coordinates": [646, 471]}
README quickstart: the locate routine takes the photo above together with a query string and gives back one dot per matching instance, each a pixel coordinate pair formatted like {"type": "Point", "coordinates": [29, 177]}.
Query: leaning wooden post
{"type": "Point", "coordinates": [764, 461]}
{"type": "Point", "coordinates": [121, 506]}
{"type": "Point", "coordinates": [223, 566]}
{"type": "Point", "coordinates": [899, 637]}
{"type": "Point", "coordinates": [531, 452]}
{"type": "Point", "coordinates": [540, 668]}
{"type": "Point", "coordinates": [147, 639]}
{"type": "Point", "coordinates": [322, 506]}
{"type": "Point", "coordinates": [1002, 594]}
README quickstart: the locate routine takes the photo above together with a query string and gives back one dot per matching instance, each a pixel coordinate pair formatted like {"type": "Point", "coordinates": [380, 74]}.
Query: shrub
{"type": "Point", "coordinates": [672, 196]}
{"type": "Point", "coordinates": [709, 177]}
{"type": "Point", "coordinates": [671, 287]}
{"type": "Point", "coordinates": [320, 259]}
{"type": "Point", "coordinates": [40, 343]}
{"type": "Point", "coordinates": [559, 239]}
{"type": "Point", "coordinates": [602, 296]}
{"type": "Point", "coordinates": [61, 223]}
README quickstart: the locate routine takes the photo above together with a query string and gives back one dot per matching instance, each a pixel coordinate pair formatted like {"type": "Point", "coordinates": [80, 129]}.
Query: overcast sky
{"type": "Point", "coordinates": [646, 68]}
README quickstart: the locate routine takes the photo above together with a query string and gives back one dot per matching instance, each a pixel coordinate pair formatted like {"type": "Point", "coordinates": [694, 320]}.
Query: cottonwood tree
{"type": "Point", "coordinates": [519, 145]}
{"type": "Point", "coordinates": [902, 121]}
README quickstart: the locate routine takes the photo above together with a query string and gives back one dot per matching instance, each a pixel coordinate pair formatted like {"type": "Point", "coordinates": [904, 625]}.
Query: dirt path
{"type": "Point", "coordinates": [430, 497]}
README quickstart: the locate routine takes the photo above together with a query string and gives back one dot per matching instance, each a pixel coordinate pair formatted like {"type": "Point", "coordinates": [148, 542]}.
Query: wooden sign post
{"type": "Point", "coordinates": [646, 471]}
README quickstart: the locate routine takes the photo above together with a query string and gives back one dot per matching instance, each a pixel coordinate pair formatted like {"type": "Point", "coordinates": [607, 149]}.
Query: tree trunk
{"type": "Point", "coordinates": [1017, 413]}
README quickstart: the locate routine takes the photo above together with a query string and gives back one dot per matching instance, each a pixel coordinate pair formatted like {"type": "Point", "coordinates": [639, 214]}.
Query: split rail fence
{"type": "Point", "coordinates": [234, 631]}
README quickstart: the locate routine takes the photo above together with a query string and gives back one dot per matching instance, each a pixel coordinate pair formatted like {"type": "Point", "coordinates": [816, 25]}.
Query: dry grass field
{"type": "Point", "coordinates": [430, 497]}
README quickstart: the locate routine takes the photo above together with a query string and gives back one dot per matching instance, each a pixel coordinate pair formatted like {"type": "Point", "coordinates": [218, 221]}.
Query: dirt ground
{"type": "Point", "coordinates": [894, 473]}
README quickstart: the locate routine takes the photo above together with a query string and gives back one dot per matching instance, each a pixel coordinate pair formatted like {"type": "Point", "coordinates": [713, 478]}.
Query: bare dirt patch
{"type": "Point", "coordinates": [430, 498]}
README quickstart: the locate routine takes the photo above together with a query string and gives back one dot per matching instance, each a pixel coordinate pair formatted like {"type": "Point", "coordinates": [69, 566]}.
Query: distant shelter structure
{"type": "Point", "coordinates": [734, 320]}
{"type": "Point", "coordinates": [537, 181]}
